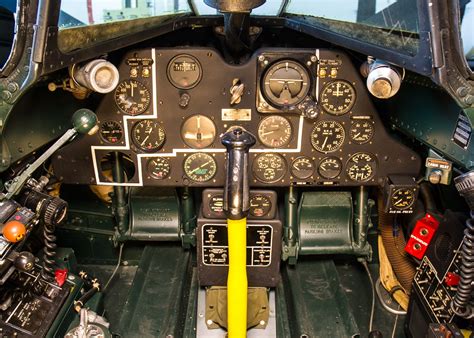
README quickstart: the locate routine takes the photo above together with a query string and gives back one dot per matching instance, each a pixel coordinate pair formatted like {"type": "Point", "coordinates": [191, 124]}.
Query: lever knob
{"type": "Point", "coordinates": [85, 121]}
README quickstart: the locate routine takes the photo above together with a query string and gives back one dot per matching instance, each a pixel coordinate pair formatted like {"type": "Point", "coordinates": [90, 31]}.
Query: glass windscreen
{"type": "Point", "coordinates": [390, 23]}
{"type": "Point", "coordinates": [270, 7]}
{"type": "Point", "coordinates": [467, 30]}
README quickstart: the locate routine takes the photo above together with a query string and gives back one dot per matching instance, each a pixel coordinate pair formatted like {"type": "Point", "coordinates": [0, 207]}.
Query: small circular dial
{"type": "Point", "coordinates": [338, 97]}
{"type": "Point", "coordinates": [286, 83]}
{"type": "Point", "coordinates": [403, 198]}
{"type": "Point", "coordinates": [361, 167]}
{"type": "Point", "coordinates": [361, 131]}
{"type": "Point", "coordinates": [158, 168]}
{"type": "Point", "coordinates": [269, 167]}
{"type": "Point", "coordinates": [327, 136]}
{"type": "Point", "coordinates": [184, 71]}
{"type": "Point", "coordinates": [111, 131]}
{"type": "Point", "coordinates": [302, 167]}
{"type": "Point", "coordinates": [200, 167]}
{"type": "Point", "coordinates": [260, 206]}
{"type": "Point", "coordinates": [198, 131]}
{"type": "Point", "coordinates": [132, 97]}
{"type": "Point", "coordinates": [148, 135]}
{"type": "Point", "coordinates": [330, 167]}
{"type": "Point", "coordinates": [275, 131]}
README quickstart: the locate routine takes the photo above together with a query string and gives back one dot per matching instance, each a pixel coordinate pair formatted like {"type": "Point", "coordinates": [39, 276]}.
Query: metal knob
{"type": "Point", "coordinates": [465, 186]}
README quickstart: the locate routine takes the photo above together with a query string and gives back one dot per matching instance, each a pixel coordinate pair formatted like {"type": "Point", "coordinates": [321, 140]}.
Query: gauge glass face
{"type": "Point", "coordinates": [111, 131]}
{"type": "Point", "coordinates": [286, 83]}
{"type": "Point", "coordinates": [330, 167]}
{"type": "Point", "coordinates": [216, 204]}
{"type": "Point", "coordinates": [403, 198]}
{"type": "Point", "coordinates": [260, 206]}
{"type": "Point", "coordinates": [327, 136]}
{"type": "Point", "coordinates": [362, 131]}
{"type": "Point", "coordinates": [198, 131]}
{"type": "Point", "coordinates": [338, 97]}
{"type": "Point", "coordinates": [275, 131]}
{"type": "Point", "coordinates": [361, 167]}
{"type": "Point", "coordinates": [269, 167]}
{"type": "Point", "coordinates": [158, 168]}
{"type": "Point", "coordinates": [302, 167]}
{"type": "Point", "coordinates": [132, 97]}
{"type": "Point", "coordinates": [184, 71]}
{"type": "Point", "coordinates": [200, 167]}
{"type": "Point", "coordinates": [148, 135]}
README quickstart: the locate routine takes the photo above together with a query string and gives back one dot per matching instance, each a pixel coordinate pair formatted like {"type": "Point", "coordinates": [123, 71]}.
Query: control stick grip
{"type": "Point", "coordinates": [236, 191]}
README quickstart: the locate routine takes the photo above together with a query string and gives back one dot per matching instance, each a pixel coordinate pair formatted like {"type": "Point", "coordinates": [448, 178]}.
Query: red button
{"type": "Point", "coordinates": [451, 279]}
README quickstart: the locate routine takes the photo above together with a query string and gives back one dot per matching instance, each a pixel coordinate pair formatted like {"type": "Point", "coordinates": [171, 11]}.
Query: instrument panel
{"type": "Point", "coordinates": [309, 109]}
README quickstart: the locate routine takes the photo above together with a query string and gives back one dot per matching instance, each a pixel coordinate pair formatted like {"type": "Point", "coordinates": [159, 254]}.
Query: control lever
{"type": "Point", "coordinates": [236, 206]}
{"type": "Point", "coordinates": [84, 121]}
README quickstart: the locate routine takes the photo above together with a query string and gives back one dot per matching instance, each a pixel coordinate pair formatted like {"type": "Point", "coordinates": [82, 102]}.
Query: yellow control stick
{"type": "Point", "coordinates": [236, 205]}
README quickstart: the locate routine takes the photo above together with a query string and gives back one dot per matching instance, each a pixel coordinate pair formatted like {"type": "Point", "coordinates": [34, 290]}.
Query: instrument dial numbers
{"type": "Point", "coordinates": [362, 132]}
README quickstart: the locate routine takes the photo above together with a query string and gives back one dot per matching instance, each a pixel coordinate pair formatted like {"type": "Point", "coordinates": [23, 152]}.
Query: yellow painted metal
{"type": "Point", "coordinates": [237, 278]}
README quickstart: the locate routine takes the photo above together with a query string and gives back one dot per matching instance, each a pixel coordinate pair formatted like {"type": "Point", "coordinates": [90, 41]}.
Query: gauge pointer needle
{"type": "Point", "coordinates": [324, 143]}
{"type": "Point", "coordinates": [200, 167]}
{"type": "Point", "coordinates": [144, 140]}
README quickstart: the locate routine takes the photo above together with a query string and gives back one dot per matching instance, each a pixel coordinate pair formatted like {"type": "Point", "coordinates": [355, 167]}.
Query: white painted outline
{"type": "Point", "coordinates": [176, 151]}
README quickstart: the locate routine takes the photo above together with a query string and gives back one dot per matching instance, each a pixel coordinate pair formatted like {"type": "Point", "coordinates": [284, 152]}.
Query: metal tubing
{"type": "Point", "coordinates": [119, 197]}
{"type": "Point", "coordinates": [291, 217]}
{"type": "Point", "coordinates": [188, 216]}
{"type": "Point", "coordinates": [361, 217]}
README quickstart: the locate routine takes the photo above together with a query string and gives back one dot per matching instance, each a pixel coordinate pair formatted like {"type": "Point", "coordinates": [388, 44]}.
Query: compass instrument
{"type": "Point", "coordinates": [158, 168]}
{"type": "Point", "coordinates": [361, 167]}
{"type": "Point", "coordinates": [200, 167]}
{"type": "Point", "coordinates": [338, 97]}
{"type": "Point", "coordinates": [302, 167]}
{"type": "Point", "coordinates": [111, 132]}
{"type": "Point", "coordinates": [148, 135]}
{"type": "Point", "coordinates": [327, 136]}
{"type": "Point", "coordinates": [198, 131]}
{"type": "Point", "coordinates": [132, 97]}
{"type": "Point", "coordinates": [275, 131]}
{"type": "Point", "coordinates": [269, 167]}
{"type": "Point", "coordinates": [184, 71]}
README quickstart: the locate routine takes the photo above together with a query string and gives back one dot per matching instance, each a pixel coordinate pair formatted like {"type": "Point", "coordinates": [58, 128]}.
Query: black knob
{"type": "Point", "coordinates": [25, 261]}
{"type": "Point", "coordinates": [236, 191]}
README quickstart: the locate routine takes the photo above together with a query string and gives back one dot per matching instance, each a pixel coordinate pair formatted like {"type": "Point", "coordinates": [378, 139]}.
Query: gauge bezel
{"type": "Point", "coordinates": [193, 146]}
{"type": "Point", "coordinates": [158, 126]}
{"type": "Point", "coordinates": [178, 85]}
{"type": "Point", "coordinates": [276, 179]}
{"type": "Point", "coordinates": [150, 173]}
{"type": "Point", "coordinates": [326, 159]}
{"type": "Point", "coordinates": [302, 177]}
{"type": "Point", "coordinates": [121, 132]}
{"type": "Point", "coordinates": [374, 169]}
{"type": "Point", "coordinates": [190, 157]}
{"type": "Point", "coordinates": [267, 118]}
{"type": "Point", "coordinates": [339, 145]}
{"type": "Point", "coordinates": [372, 133]}
{"type": "Point", "coordinates": [270, 97]}
{"type": "Point", "coordinates": [148, 96]}
{"type": "Point", "coordinates": [348, 108]}
{"type": "Point", "coordinates": [412, 193]}
{"type": "Point", "coordinates": [267, 211]}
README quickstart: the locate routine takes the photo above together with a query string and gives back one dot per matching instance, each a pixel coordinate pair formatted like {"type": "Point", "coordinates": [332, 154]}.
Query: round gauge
{"type": "Point", "coordinates": [327, 136]}
{"type": "Point", "coordinates": [403, 198]}
{"type": "Point", "coordinates": [216, 204]}
{"type": "Point", "coordinates": [361, 167]}
{"type": "Point", "coordinates": [111, 131]}
{"type": "Point", "coordinates": [148, 135]}
{"type": "Point", "coordinates": [158, 168]}
{"type": "Point", "coordinates": [260, 206]}
{"type": "Point", "coordinates": [198, 131]}
{"type": "Point", "coordinates": [338, 97]}
{"type": "Point", "coordinates": [286, 83]}
{"type": "Point", "coordinates": [302, 167]}
{"type": "Point", "coordinates": [132, 97]}
{"type": "Point", "coordinates": [275, 131]}
{"type": "Point", "coordinates": [330, 167]}
{"type": "Point", "coordinates": [269, 167]}
{"type": "Point", "coordinates": [361, 131]}
{"type": "Point", "coordinates": [184, 71]}
{"type": "Point", "coordinates": [200, 167]}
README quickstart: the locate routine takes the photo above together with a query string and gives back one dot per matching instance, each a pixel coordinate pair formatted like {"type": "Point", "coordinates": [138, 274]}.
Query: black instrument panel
{"type": "Point", "coordinates": [171, 105]}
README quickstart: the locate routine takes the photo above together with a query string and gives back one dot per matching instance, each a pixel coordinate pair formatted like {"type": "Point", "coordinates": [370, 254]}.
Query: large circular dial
{"type": "Point", "coordinates": [330, 167]}
{"type": "Point", "coordinates": [148, 135]}
{"type": "Point", "coordinates": [132, 97]}
{"type": "Point", "coordinates": [198, 131]}
{"type": "Point", "coordinates": [327, 136]}
{"type": "Point", "coordinates": [158, 168]}
{"type": "Point", "coordinates": [286, 83]}
{"type": "Point", "coordinates": [302, 167]}
{"type": "Point", "coordinates": [361, 167]}
{"type": "Point", "coordinates": [111, 131]}
{"type": "Point", "coordinates": [338, 97]}
{"type": "Point", "coordinates": [361, 131]}
{"type": "Point", "coordinates": [184, 71]}
{"type": "Point", "coordinates": [275, 131]}
{"type": "Point", "coordinates": [260, 206]}
{"type": "Point", "coordinates": [403, 198]}
{"type": "Point", "coordinates": [269, 167]}
{"type": "Point", "coordinates": [200, 167]}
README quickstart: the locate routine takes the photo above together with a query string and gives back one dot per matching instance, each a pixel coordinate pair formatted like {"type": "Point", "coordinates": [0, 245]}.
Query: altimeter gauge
{"type": "Point", "coordinates": [132, 97]}
{"type": "Point", "coordinates": [275, 131]}
{"type": "Point", "coordinates": [338, 97]}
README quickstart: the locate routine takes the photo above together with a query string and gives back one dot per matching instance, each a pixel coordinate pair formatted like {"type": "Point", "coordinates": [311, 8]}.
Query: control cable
{"type": "Point", "coordinates": [372, 286]}
{"type": "Point", "coordinates": [116, 267]}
